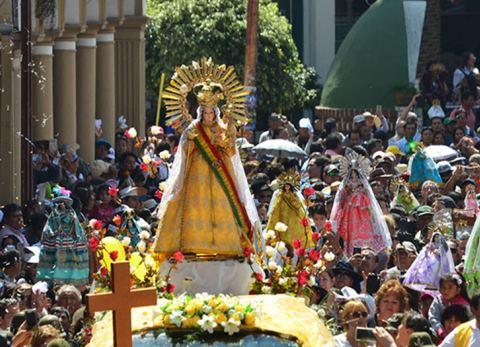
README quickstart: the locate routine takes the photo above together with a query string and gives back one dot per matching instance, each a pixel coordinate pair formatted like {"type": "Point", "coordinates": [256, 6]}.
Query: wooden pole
{"type": "Point", "coordinates": [251, 44]}
{"type": "Point", "coordinates": [159, 103]}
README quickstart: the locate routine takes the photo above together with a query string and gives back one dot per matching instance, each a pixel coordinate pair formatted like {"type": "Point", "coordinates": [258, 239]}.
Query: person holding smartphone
{"type": "Point", "coordinates": [354, 315]}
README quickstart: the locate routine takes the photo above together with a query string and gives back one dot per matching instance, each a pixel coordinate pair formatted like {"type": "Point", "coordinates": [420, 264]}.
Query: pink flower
{"type": "Point", "coordinates": [297, 244]}
{"type": "Point", "coordinates": [314, 255]}
{"type": "Point", "coordinates": [103, 271]}
{"type": "Point", "coordinates": [170, 287]}
{"type": "Point", "coordinates": [94, 242]}
{"type": "Point", "coordinates": [247, 252]}
{"type": "Point", "coordinates": [113, 255]}
{"type": "Point", "coordinates": [158, 194]}
{"type": "Point", "coordinates": [302, 277]}
{"type": "Point", "coordinates": [143, 167]}
{"type": "Point", "coordinates": [258, 276]}
{"type": "Point", "coordinates": [178, 256]}
{"type": "Point", "coordinates": [300, 252]}
{"type": "Point", "coordinates": [315, 236]}
{"type": "Point", "coordinates": [328, 225]}
{"type": "Point", "coordinates": [112, 191]}
{"type": "Point", "coordinates": [309, 191]}
{"type": "Point", "coordinates": [305, 222]}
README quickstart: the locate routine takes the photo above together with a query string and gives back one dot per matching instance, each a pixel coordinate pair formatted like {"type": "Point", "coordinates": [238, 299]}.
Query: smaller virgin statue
{"type": "Point", "coordinates": [356, 213]}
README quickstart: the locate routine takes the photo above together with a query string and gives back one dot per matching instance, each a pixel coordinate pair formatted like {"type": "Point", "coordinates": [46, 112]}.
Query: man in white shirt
{"type": "Point", "coordinates": [466, 334]}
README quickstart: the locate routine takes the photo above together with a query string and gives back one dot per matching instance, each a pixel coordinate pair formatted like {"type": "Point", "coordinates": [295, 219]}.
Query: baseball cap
{"type": "Point", "coordinates": [444, 167]}
{"type": "Point", "coordinates": [395, 150]}
{"type": "Point", "coordinates": [359, 118]}
{"type": "Point", "coordinates": [424, 210]}
{"type": "Point", "coordinates": [448, 121]}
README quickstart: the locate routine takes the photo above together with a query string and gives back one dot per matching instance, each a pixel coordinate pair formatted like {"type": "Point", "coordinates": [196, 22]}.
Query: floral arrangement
{"type": "Point", "coordinates": [289, 271]}
{"type": "Point", "coordinates": [207, 313]}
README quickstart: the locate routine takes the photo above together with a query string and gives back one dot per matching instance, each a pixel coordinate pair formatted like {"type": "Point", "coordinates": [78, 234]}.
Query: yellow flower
{"type": "Point", "coordinates": [197, 304]}
{"type": "Point", "coordinates": [191, 322]}
{"type": "Point", "coordinates": [190, 309]}
{"type": "Point", "coordinates": [237, 316]}
{"type": "Point", "coordinates": [213, 302]}
{"type": "Point", "coordinates": [222, 307]}
{"type": "Point", "coordinates": [239, 307]}
{"type": "Point", "coordinates": [166, 320]}
{"type": "Point", "coordinates": [220, 318]}
{"type": "Point", "coordinates": [249, 318]}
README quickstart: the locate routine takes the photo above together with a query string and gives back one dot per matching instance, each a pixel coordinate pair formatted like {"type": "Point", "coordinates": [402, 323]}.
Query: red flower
{"type": "Point", "coordinates": [103, 271]}
{"type": "Point", "coordinates": [300, 252]}
{"type": "Point", "coordinates": [297, 244]}
{"type": "Point", "coordinates": [328, 226]}
{"type": "Point", "coordinates": [96, 224]}
{"type": "Point", "coordinates": [302, 277]}
{"type": "Point", "coordinates": [314, 255]}
{"type": "Point", "coordinates": [315, 236]}
{"type": "Point", "coordinates": [112, 191]}
{"type": "Point", "coordinates": [178, 256]}
{"type": "Point", "coordinates": [94, 242]}
{"type": "Point", "coordinates": [309, 191]}
{"type": "Point", "coordinates": [247, 252]}
{"type": "Point", "coordinates": [258, 276]}
{"type": "Point", "coordinates": [158, 194]}
{"type": "Point", "coordinates": [170, 287]}
{"type": "Point", "coordinates": [117, 220]}
{"type": "Point", "coordinates": [113, 255]}
{"type": "Point", "coordinates": [305, 221]}
{"type": "Point", "coordinates": [143, 167]}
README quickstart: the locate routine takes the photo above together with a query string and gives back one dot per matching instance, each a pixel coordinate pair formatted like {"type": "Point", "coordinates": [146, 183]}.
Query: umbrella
{"type": "Point", "coordinates": [280, 148]}
{"type": "Point", "coordinates": [440, 152]}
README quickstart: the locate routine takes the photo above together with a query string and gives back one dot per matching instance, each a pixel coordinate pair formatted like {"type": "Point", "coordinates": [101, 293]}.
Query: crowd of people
{"type": "Point", "coordinates": [43, 296]}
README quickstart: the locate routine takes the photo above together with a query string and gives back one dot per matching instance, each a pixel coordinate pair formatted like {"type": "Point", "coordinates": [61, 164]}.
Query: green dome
{"type": "Point", "coordinates": [376, 56]}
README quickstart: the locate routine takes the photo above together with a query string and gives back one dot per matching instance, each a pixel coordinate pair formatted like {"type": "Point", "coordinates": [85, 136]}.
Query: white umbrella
{"type": "Point", "coordinates": [440, 152]}
{"type": "Point", "coordinates": [280, 148]}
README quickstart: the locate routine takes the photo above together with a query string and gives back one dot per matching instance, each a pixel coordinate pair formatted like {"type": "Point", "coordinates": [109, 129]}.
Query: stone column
{"type": "Point", "coordinates": [105, 84]}
{"type": "Point", "coordinates": [10, 123]}
{"type": "Point", "coordinates": [42, 91]}
{"type": "Point", "coordinates": [319, 35]}
{"type": "Point", "coordinates": [130, 71]}
{"type": "Point", "coordinates": [86, 72]}
{"type": "Point", "coordinates": [65, 91]}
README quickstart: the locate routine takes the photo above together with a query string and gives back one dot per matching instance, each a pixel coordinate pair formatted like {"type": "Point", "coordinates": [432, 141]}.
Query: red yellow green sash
{"type": "Point", "coordinates": [216, 163]}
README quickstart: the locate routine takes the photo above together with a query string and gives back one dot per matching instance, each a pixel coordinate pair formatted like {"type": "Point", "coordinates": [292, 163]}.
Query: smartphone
{"type": "Point", "coordinates": [357, 250]}
{"type": "Point", "coordinates": [365, 335]}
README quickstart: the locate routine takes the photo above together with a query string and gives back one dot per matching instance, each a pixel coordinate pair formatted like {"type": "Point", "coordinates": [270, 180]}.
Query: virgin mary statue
{"type": "Point", "coordinates": [207, 211]}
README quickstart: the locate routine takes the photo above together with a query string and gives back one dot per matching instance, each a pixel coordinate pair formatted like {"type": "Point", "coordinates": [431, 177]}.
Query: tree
{"type": "Point", "coordinates": [184, 30]}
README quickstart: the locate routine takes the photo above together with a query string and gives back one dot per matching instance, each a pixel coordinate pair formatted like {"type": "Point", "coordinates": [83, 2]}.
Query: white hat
{"type": "Point", "coordinates": [32, 255]}
{"type": "Point", "coordinates": [305, 123]}
{"type": "Point", "coordinates": [243, 143]}
{"type": "Point", "coordinates": [99, 167]}
{"type": "Point", "coordinates": [132, 191]}
{"type": "Point", "coordinates": [436, 112]}
{"type": "Point", "coordinates": [359, 118]}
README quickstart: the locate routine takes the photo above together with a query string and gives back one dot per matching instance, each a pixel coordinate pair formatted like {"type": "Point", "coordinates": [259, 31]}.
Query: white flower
{"type": "Point", "coordinates": [184, 88]}
{"type": "Point", "coordinates": [147, 159]}
{"type": "Point", "coordinates": [231, 326]}
{"type": "Point", "coordinates": [162, 186]}
{"type": "Point", "coordinates": [281, 246]}
{"type": "Point", "coordinates": [148, 262]}
{"type": "Point", "coordinates": [318, 264]}
{"type": "Point", "coordinates": [177, 318]}
{"type": "Point", "coordinates": [280, 227]}
{"type": "Point", "coordinates": [144, 235]}
{"type": "Point", "coordinates": [141, 246]}
{"type": "Point", "coordinates": [269, 251]}
{"type": "Point", "coordinates": [155, 130]}
{"type": "Point", "coordinates": [329, 256]}
{"type": "Point", "coordinates": [272, 265]}
{"type": "Point", "coordinates": [207, 309]}
{"type": "Point", "coordinates": [207, 323]}
{"type": "Point", "coordinates": [203, 296]}
{"type": "Point", "coordinates": [270, 235]}
{"type": "Point", "coordinates": [125, 241]}
{"type": "Point", "coordinates": [279, 270]}
{"type": "Point", "coordinates": [311, 281]}
{"type": "Point", "coordinates": [165, 155]}
{"type": "Point", "coordinates": [266, 290]}
{"type": "Point", "coordinates": [321, 312]}
{"type": "Point", "coordinates": [282, 281]}
{"type": "Point", "coordinates": [132, 133]}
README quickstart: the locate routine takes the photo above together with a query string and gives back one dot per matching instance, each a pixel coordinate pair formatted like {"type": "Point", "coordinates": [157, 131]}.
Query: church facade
{"type": "Point", "coordinates": [64, 64]}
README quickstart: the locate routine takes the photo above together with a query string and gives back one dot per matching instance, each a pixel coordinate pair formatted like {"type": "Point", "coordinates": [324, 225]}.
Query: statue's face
{"type": "Point", "coordinates": [208, 114]}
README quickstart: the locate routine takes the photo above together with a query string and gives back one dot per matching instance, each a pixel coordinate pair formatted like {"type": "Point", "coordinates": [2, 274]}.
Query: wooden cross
{"type": "Point", "coordinates": [120, 301]}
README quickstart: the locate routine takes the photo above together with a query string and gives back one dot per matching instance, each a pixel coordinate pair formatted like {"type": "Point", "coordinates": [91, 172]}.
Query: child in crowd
{"type": "Point", "coordinates": [103, 209]}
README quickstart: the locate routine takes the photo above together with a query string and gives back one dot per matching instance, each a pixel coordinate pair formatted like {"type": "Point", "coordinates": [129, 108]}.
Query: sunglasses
{"type": "Point", "coordinates": [358, 314]}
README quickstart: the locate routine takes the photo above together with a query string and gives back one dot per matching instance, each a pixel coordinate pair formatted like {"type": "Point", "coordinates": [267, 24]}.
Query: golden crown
{"type": "Point", "coordinates": [291, 177]}
{"type": "Point", "coordinates": [208, 93]}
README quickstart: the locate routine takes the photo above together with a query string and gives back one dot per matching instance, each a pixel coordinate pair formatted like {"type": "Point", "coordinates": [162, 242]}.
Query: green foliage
{"type": "Point", "coordinates": [184, 30]}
